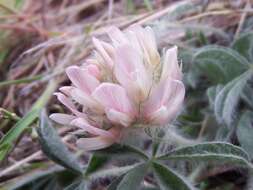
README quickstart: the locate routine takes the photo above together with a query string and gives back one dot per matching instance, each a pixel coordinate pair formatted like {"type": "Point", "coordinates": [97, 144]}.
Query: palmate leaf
{"type": "Point", "coordinates": [169, 179]}
{"type": "Point", "coordinates": [219, 152]}
{"type": "Point", "coordinates": [245, 132]}
{"type": "Point", "coordinates": [220, 64]}
{"type": "Point", "coordinates": [228, 97]}
{"type": "Point", "coordinates": [244, 45]}
{"type": "Point", "coordinates": [53, 147]}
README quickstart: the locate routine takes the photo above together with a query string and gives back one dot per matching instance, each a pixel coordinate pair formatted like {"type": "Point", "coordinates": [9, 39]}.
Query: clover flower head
{"type": "Point", "coordinates": [124, 84]}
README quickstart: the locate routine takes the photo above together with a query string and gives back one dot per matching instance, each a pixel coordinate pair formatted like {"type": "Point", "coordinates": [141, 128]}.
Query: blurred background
{"type": "Point", "coordinates": [39, 39]}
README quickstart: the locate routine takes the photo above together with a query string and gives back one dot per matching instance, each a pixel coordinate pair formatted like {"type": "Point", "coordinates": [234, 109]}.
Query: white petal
{"type": "Point", "coordinates": [117, 37]}
{"type": "Point", "coordinates": [146, 40]}
{"type": "Point", "coordinates": [170, 65]}
{"type": "Point", "coordinates": [101, 49]}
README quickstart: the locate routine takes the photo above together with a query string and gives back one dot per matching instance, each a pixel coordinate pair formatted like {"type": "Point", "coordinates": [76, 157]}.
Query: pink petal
{"type": "Point", "coordinates": [62, 118]}
{"type": "Point", "coordinates": [158, 96]}
{"type": "Point", "coordinates": [66, 90]}
{"type": "Point", "coordinates": [165, 100]}
{"type": "Point", "coordinates": [94, 143]}
{"type": "Point", "coordinates": [113, 96]}
{"type": "Point", "coordinates": [134, 41]}
{"type": "Point", "coordinates": [171, 67]}
{"type": "Point", "coordinates": [94, 71]}
{"type": "Point", "coordinates": [83, 124]}
{"type": "Point", "coordinates": [68, 103]}
{"type": "Point", "coordinates": [175, 104]}
{"type": "Point", "coordinates": [160, 116]}
{"type": "Point", "coordinates": [109, 48]}
{"type": "Point", "coordinates": [82, 79]}
{"type": "Point", "coordinates": [119, 117]}
{"type": "Point", "coordinates": [117, 37]}
{"type": "Point", "coordinates": [86, 100]}
{"type": "Point", "coordinates": [91, 61]}
{"type": "Point", "coordinates": [146, 40]}
{"type": "Point", "coordinates": [131, 73]}
{"type": "Point", "coordinates": [101, 49]}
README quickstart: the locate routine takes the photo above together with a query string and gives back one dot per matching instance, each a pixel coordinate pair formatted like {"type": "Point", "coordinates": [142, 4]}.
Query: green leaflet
{"type": "Point", "coordinates": [212, 93]}
{"type": "Point", "coordinates": [212, 151]}
{"type": "Point", "coordinates": [78, 185]}
{"type": "Point", "coordinates": [96, 162]}
{"type": "Point", "coordinates": [133, 178]}
{"type": "Point", "coordinates": [53, 147]}
{"type": "Point", "coordinates": [244, 46]}
{"type": "Point", "coordinates": [220, 64]}
{"type": "Point", "coordinates": [115, 183]}
{"type": "Point", "coordinates": [245, 132]}
{"type": "Point", "coordinates": [247, 95]}
{"type": "Point", "coordinates": [228, 97]}
{"type": "Point", "coordinates": [169, 179]}
{"type": "Point", "coordinates": [122, 150]}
